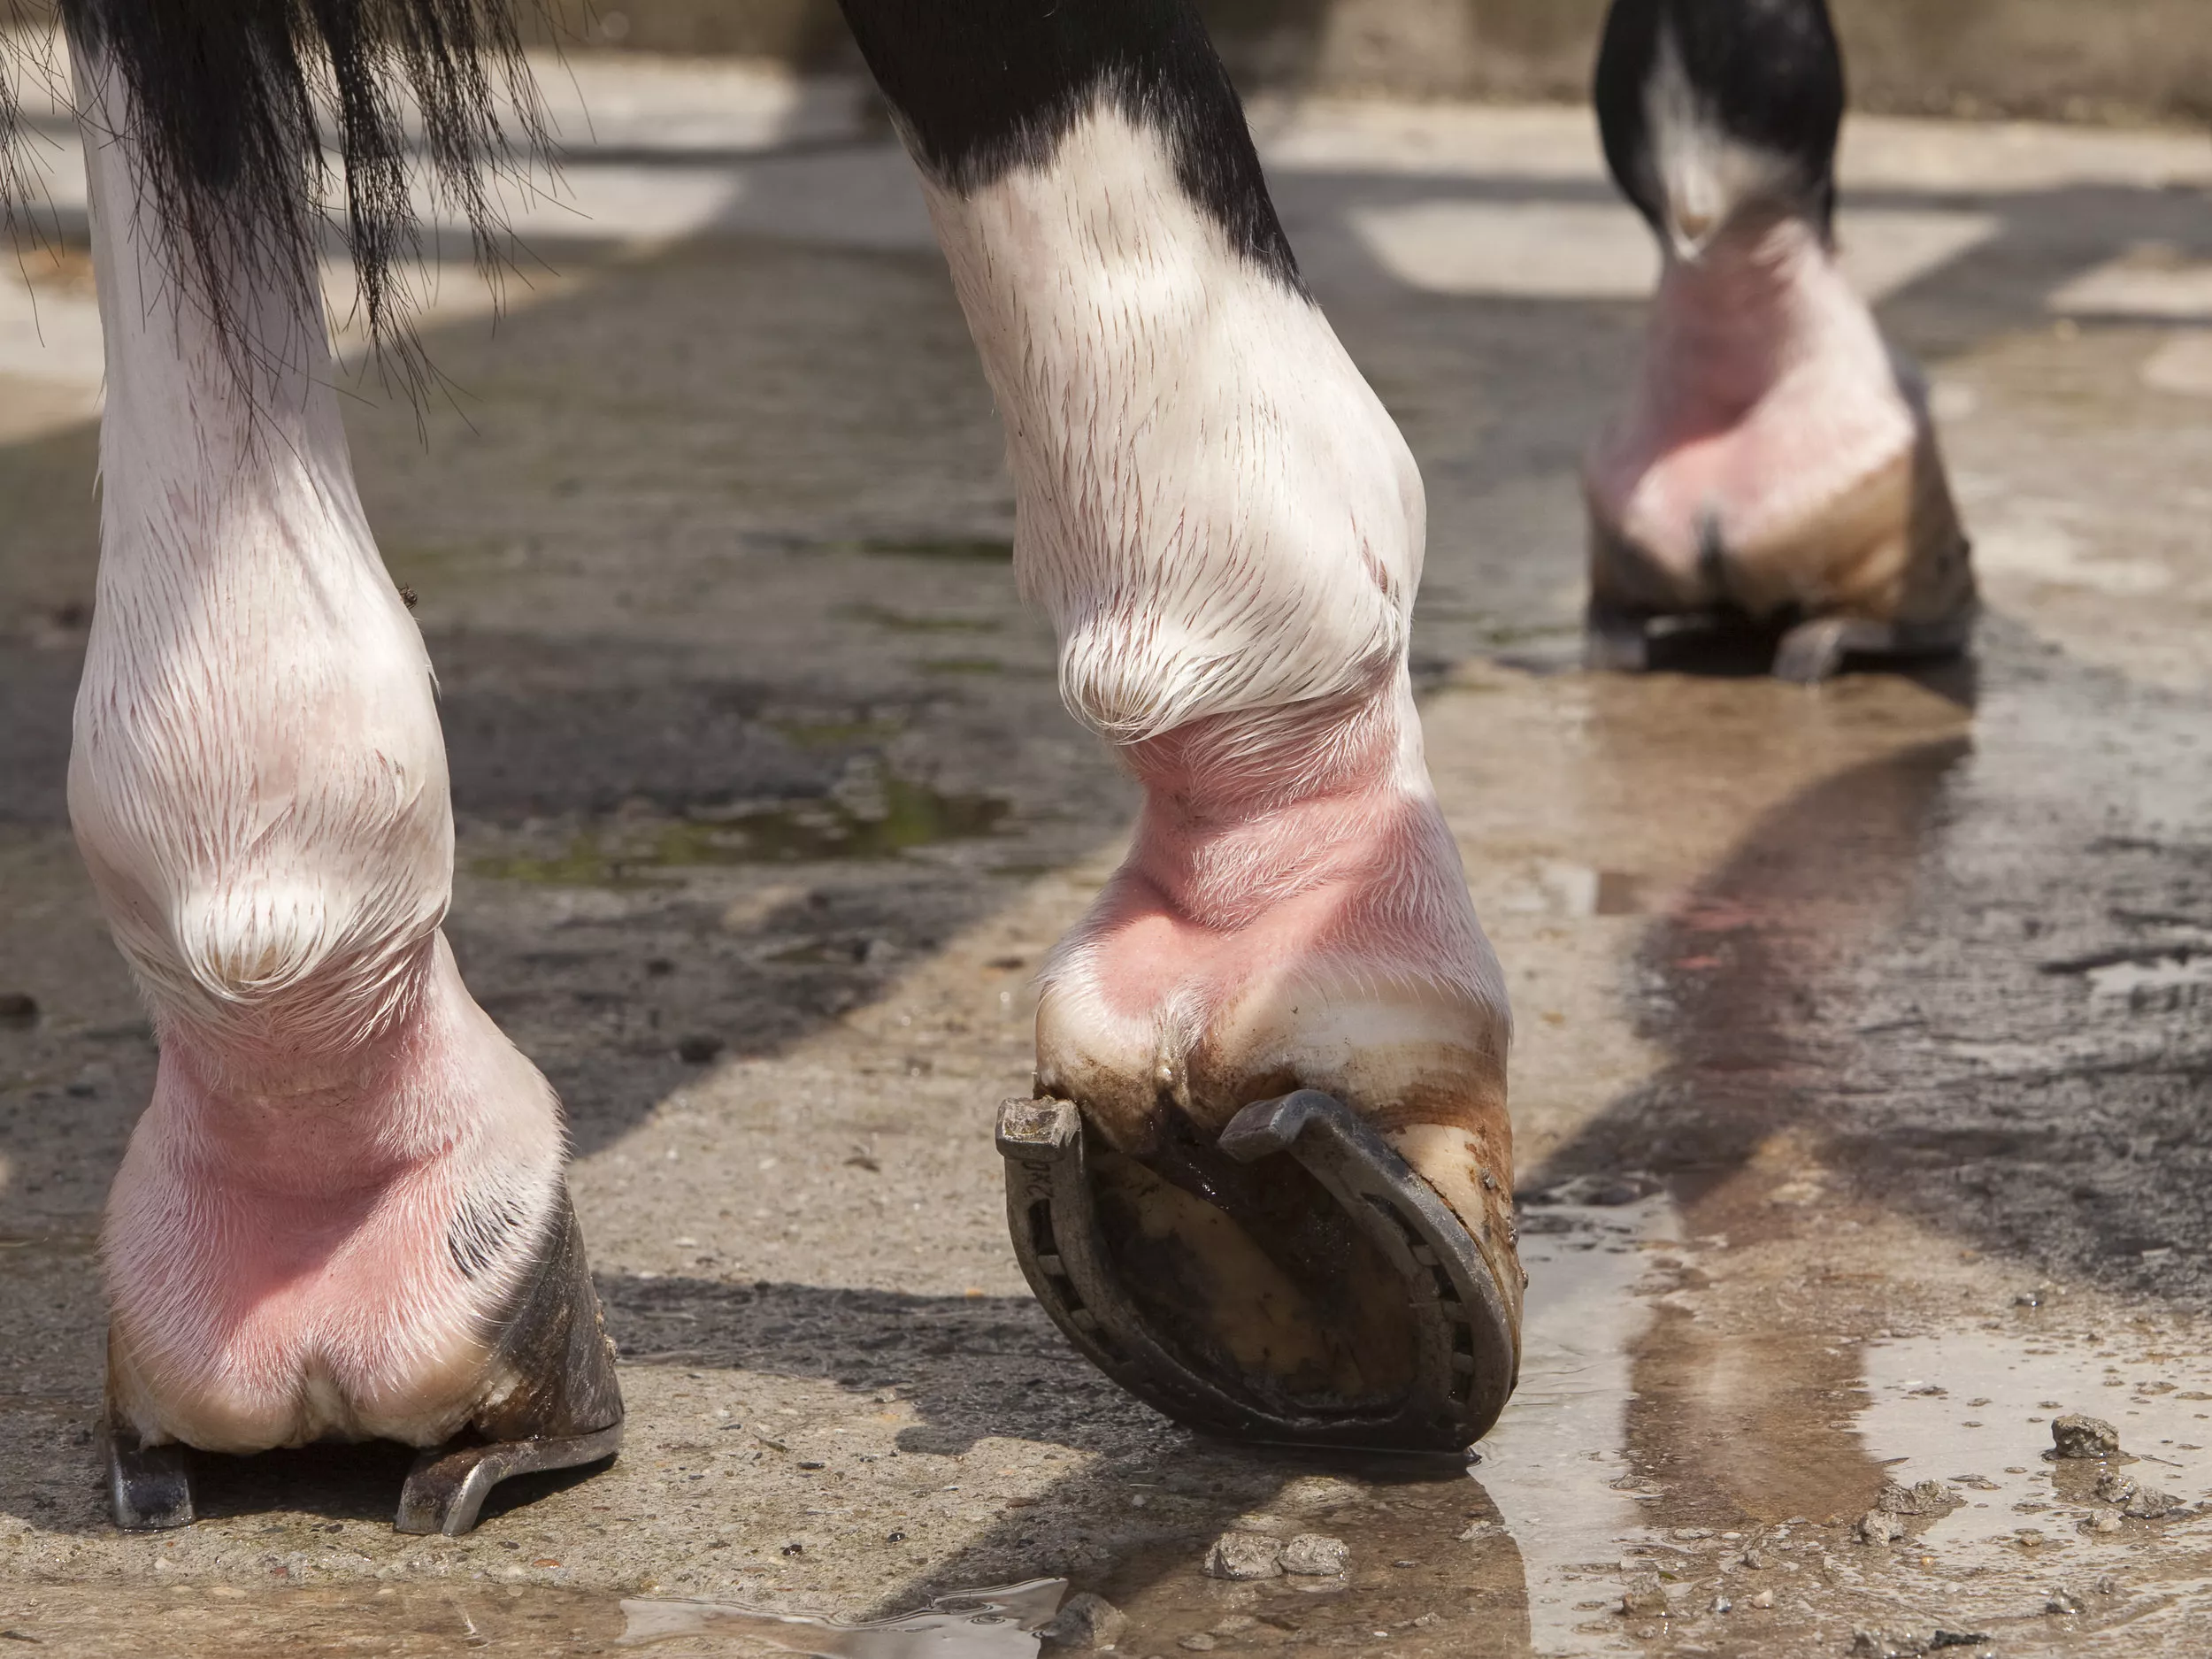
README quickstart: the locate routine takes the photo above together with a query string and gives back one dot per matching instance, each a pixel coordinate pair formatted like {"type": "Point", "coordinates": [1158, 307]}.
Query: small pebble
{"type": "Point", "coordinates": [1873, 1644]}
{"type": "Point", "coordinates": [1645, 1595]}
{"type": "Point", "coordinates": [1926, 1497]}
{"type": "Point", "coordinates": [1197, 1641]}
{"type": "Point", "coordinates": [17, 1008]}
{"type": "Point", "coordinates": [2060, 1603]}
{"type": "Point", "coordinates": [2103, 1521]}
{"type": "Point", "coordinates": [1243, 1555]}
{"type": "Point", "coordinates": [2150, 1504]}
{"type": "Point", "coordinates": [1085, 1624]}
{"type": "Point", "coordinates": [1877, 1526]}
{"type": "Point", "coordinates": [1317, 1556]}
{"type": "Point", "coordinates": [2081, 1436]}
{"type": "Point", "coordinates": [1765, 1598]}
{"type": "Point", "coordinates": [2134, 1500]}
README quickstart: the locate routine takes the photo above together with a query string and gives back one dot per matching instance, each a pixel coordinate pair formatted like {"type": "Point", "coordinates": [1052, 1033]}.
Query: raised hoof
{"type": "Point", "coordinates": [1615, 644]}
{"type": "Point", "coordinates": [1464, 1358]}
{"type": "Point", "coordinates": [150, 1487]}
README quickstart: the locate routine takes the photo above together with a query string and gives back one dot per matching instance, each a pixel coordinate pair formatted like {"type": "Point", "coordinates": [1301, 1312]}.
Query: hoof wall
{"type": "Point", "coordinates": [150, 1487]}
{"type": "Point", "coordinates": [1466, 1347]}
{"type": "Point", "coordinates": [446, 1489]}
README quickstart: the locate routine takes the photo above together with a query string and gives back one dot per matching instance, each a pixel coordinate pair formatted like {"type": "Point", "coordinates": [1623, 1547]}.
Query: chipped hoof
{"type": "Point", "coordinates": [1455, 1355]}
{"type": "Point", "coordinates": [551, 1401]}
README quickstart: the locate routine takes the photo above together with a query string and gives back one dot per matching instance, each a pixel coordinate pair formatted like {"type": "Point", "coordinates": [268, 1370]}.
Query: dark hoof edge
{"type": "Point", "coordinates": [566, 1408]}
{"type": "Point", "coordinates": [563, 1409]}
{"type": "Point", "coordinates": [1467, 1356]}
{"type": "Point", "coordinates": [1816, 650]}
{"type": "Point", "coordinates": [150, 1487]}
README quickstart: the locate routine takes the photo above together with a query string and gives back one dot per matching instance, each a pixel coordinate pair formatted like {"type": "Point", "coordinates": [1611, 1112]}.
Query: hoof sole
{"type": "Point", "coordinates": [1466, 1351]}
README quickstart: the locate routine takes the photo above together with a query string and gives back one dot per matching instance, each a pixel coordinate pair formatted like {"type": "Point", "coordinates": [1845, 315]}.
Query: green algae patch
{"type": "Point", "coordinates": [907, 622]}
{"type": "Point", "coordinates": [888, 817]}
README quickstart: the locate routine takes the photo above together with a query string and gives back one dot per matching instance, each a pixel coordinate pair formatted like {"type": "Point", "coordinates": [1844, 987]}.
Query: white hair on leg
{"type": "Point", "coordinates": [258, 786]}
{"type": "Point", "coordinates": [1226, 530]}
{"type": "Point", "coordinates": [1213, 507]}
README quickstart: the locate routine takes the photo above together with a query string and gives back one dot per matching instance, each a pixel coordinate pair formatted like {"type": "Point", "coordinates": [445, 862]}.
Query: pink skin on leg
{"type": "Point", "coordinates": [281, 1240]}
{"type": "Point", "coordinates": [1292, 914]}
{"type": "Point", "coordinates": [1769, 420]}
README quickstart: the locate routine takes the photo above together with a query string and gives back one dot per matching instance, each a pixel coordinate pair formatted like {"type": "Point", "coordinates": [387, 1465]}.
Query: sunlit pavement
{"type": "Point", "coordinates": [1862, 1067]}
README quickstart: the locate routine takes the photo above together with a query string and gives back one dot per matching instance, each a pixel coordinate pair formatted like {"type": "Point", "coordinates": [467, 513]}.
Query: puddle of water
{"type": "Point", "coordinates": [898, 816]}
{"type": "Point", "coordinates": [1973, 1409]}
{"type": "Point", "coordinates": [999, 1623]}
{"type": "Point", "coordinates": [1557, 1465]}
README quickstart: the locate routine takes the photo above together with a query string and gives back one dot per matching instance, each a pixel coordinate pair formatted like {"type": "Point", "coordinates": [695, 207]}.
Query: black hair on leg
{"type": "Point", "coordinates": [983, 87]}
{"type": "Point", "coordinates": [1771, 72]}
{"type": "Point", "coordinates": [226, 96]}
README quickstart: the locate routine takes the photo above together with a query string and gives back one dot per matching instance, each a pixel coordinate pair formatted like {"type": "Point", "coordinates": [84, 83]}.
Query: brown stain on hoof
{"type": "Point", "coordinates": [1285, 1294]}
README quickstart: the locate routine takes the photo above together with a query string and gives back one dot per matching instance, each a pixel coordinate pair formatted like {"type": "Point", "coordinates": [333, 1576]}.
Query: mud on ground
{"type": "Point", "coordinates": [1862, 1067]}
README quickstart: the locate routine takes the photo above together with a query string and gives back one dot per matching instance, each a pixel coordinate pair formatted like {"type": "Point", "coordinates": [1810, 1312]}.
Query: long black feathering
{"type": "Point", "coordinates": [227, 97]}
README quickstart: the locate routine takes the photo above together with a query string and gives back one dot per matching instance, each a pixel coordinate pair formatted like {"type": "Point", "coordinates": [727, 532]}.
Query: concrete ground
{"type": "Point", "coordinates": [1861, 1073]}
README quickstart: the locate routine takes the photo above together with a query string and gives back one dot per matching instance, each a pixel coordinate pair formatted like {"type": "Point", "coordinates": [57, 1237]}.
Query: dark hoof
{"type": "Point", "coordinates": [565, 1409]}
{"type": "Point", "coordinates": [1462, 1357]}
{"type": "Point", "coordinates": [150, 1487]}
{"type": "Point", "coordinates": [557, 1405]}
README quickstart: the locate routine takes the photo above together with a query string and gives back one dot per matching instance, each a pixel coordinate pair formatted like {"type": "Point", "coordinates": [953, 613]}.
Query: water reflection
{"type": "Point", "coordinates": [999, 1623]}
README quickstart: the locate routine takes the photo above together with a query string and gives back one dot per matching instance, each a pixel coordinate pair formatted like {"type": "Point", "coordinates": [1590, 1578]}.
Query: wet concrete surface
{"type": "Point", "coordinates": [1862, 1070]}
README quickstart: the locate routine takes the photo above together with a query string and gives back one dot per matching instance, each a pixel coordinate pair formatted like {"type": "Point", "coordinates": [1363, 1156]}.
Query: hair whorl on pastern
{"type": "Point", "coordinates": [227, 97]}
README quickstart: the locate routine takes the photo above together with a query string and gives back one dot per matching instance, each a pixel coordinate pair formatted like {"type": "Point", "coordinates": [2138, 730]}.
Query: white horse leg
{"type": "Point", "coordinates": [336, 1217]}
{"type": "Point", "coordinates": [1226, 530]}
